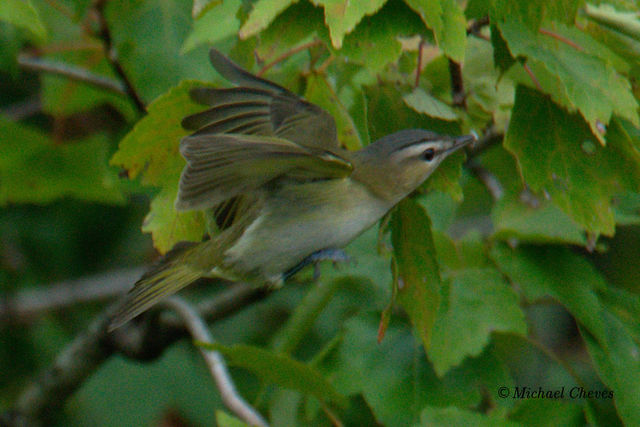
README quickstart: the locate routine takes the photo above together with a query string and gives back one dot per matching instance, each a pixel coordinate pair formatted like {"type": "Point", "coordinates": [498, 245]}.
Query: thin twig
{"type": "Point", "coordinates": [288, 54]}
{"type": "Point", "coordinates": [419, 68]}
{"type": "Point", "coordinates": [74, 73]}
{"type": "Point", "coordinates": [487, 178]}
{"type": "Point", "coordinates": [477, 25]}
{"type": "Point", "coordinates": [490, 137]}
{"type": "Point", "coordinates": [215, 362]}
{"type": "Point", "coordinates": [143, 339]}
{"type": "Point", "coordinates": [533, 76]}
{"type": "Point", "coordinates": [23, 109]}
{"type": "Point", "coordinates": [323, 67]}
{"type": "Point", "coordinates": [30, 302]}
{"type": "Point", "coordinates": [561, 38]}
{"type": "Point", "coordinates": [457, 84]}
{"type": "Point", "coordinates": [105, 34]}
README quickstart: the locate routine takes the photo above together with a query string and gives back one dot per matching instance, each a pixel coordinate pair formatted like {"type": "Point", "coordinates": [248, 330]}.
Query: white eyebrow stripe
{"type": "Point", "coordinates": [417, 149]}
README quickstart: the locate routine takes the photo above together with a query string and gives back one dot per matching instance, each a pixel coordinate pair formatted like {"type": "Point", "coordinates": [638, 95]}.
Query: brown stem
{"type": "Point", "coordinates": [533, 76]}
{"type": "Point", "coordinates": [105, 34]}
{"type": "Point", "coordinates": [419, 69]}
{"type": "Point", "coordinates": [74, 73]}
{"type": "Point", "coordinates": [288, 54]}
{"type": "Point", "coordinates": [477, 25]}
{"type": "Point", "coordinates": [487, 178]}
{"type": "Point", "coordinates": [561, 38]}
{"type": "Point", "coordinates": [457, 84]}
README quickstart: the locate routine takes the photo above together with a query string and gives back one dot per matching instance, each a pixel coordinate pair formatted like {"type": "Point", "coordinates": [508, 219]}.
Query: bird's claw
{"type": "Point", "coordinates": [337, 256]}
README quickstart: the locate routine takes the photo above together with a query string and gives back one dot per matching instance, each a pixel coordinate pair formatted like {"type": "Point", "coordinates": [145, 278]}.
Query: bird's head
{"type": "Point", "coordinates": [397, 164]}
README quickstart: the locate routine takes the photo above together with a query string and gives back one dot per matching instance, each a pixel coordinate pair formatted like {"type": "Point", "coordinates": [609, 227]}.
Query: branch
{"type": "Point", "coordinates": [22, 109]}
{"type": "Point", "coordinates": [28, 303]}
{"type": "Point", "coordinates": [143, 339]}
{"type": "Point", "coordinates": [288, 54]}
{"type": "Point", "coordinates": [105, 34]}
{"type": "Point", "coordinates": [487, 178]}
{"type": "Point", "coordinates": [74, 73]}
{"type": "Point", "coordinates": [457, 84]}
{"type": "Point", "coordinates": [477, 25]}
{"type": "Point", "coordinates": [215, 362]}
{"type": "Point", "coordinates": [490, 137]}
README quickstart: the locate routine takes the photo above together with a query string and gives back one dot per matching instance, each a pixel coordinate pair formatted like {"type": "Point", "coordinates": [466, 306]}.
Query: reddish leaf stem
{"type": "Point", "coordinates": [288, 54]}
{"type": "Point", "coordinates": [561, 38]}
{"type": "Point", "coordinates": [533, 76]}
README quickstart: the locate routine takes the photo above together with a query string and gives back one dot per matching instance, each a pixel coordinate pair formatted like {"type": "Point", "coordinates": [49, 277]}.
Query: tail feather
{"type": "Point", "coordinates": [167, 278]}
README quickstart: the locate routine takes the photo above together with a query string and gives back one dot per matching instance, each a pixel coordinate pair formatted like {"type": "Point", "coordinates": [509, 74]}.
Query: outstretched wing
{"type": "Point", "coordinates": [259, 107]}
{"type": "Point", "coordinates": [221, 167]}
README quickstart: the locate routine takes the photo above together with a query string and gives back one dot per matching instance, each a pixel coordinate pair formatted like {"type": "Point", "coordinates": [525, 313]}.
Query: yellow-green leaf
{"type": "Point", "coordinates": [418, 272]}
{"type": "Point", "coordinates": [21, 13]}
{"type": "Point", "coordinates": [263, 14]}
{"type": "Point", "coordinates": [151, 150]}
{"type": "Point", "coordinates": [342, 16]}
{"type": "Point", "coordinates": [446, 19]}
{"type": "Point", "coordinates": [566, 163]}
{"type": "Point", "coordinates": [33, 169]}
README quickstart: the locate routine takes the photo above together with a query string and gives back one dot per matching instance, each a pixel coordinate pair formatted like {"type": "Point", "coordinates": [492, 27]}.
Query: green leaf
{"type": "Point", "coordinates": [488, 95]}
{"type": "Point", "coordinates": [538, 412]}
{"type": "Point", "coordinates": [542, 224]}
{"type": "Point", "coordinates": [575, 78]}
{"type": "Point", "coordinates": [446, 19]}
{"type": "Point", "coordinates": [22, 14]}
{"type": "Point", "coordinates": [627, 209]}
{"type": "Point", "coordinates": [148, 37]}
{"type": "Point", "coordinates": [11, 41]}
{"type": "Point", "coordinates": [578, 174]}
{"type": "Point", "coordinates": [262, 14]}
{"type": "Point", "coordinates": [530, 15]}
{"type": "Point", "coordinates": [168, 226]}
{"type": "Point", "coordinates": [200, 7]}
{"type": "Point", "coordinates": [342, 16]}
{"type": "Point", "coordinates": [456, 417]}
{"type": "Point", "coordinates": [626, 23]}
{"type": "Point", "coordinates": [577, 285]}
{"type": "Point", "coordinates": [217, 23]}
{"type": "Point", "coordinates": [33, 169]}
{"type": "Point", "coordinates": [279, 369]}
{"type": "Point", "coordinates": [418, 273]}
{"type": "Point", "coordinates": [293, 27]}
{"type": "Point", "coordinates": [152, 147]}
{"type": "Point", "coordinates": [320, 92]}
{"type": "Point", "coordinates": [395, 378]}
{"type": "Point", "coordinates": [616, 361]}
{"type": "Point", "coordinates": [225, 420]}
{"type": "Point", "coordinates": [476, 302]}
{"type": "Point", "coordinates": [151, 150]}
{"type": "Point", "coordinates": [424, 103]}
{"type": "Point", "coordinates": [375, 42]}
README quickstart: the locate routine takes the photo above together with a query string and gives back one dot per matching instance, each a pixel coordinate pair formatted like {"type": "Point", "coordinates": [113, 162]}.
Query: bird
{"type": "Point", "coordinates": [267, 167]}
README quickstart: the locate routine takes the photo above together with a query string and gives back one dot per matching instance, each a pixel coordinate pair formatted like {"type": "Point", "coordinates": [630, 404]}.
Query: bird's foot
{"type": "Point", "coordinates": [337, 256]}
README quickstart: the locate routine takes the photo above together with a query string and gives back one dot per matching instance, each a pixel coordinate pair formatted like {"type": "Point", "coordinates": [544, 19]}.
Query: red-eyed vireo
{"type": "Point", "coordinates": [270, 169]}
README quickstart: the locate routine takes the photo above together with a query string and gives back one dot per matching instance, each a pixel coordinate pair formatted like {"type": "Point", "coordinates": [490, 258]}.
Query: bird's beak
{"type": "Point", "coordinates": [460, 141]}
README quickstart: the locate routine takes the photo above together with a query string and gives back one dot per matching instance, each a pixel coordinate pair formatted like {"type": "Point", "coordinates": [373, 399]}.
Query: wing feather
{"type": "Point", "coordinates": [223, 166]}
{"type": "Point", "coordinates": [259, 107]}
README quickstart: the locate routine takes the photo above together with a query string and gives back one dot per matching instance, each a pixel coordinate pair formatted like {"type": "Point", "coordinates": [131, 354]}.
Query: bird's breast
{"type": "Point", "coordinates": [298, 220]}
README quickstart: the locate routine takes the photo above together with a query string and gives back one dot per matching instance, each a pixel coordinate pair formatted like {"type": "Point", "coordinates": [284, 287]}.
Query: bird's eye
{"type": "Point", "coordinates": [429, 154]}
